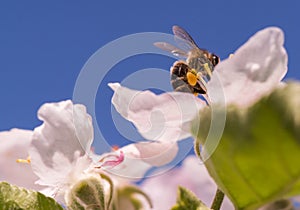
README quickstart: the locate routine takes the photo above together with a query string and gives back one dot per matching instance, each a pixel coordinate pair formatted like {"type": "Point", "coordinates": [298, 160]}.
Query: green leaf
{"type": "Point", "coordinates": [16, 198]}
{"type": "Point", "coordinates": [186, 200]}
{"type": "Point", "coordinates": [257, 159]}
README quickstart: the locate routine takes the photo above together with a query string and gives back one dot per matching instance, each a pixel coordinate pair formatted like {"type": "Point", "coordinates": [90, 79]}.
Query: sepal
{"type": "Point", "coordinates": [187, 200]}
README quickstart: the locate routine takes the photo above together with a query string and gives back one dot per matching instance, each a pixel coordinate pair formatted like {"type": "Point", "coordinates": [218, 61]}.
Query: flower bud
{"type": "Point", "coordinates": [89, 194]}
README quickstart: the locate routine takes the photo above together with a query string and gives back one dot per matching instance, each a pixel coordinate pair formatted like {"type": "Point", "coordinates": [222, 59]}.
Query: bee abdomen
{"type": "Point", "coordinates": [179, 69]}
{"type": "Point", "coordinates": [180, 85]}
{"type": "Point", "coordinates": [178, 77]}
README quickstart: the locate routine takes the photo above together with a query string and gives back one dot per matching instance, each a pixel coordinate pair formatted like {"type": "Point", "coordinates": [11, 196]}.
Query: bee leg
{"type": "Point", "coordinates": [207, 69]}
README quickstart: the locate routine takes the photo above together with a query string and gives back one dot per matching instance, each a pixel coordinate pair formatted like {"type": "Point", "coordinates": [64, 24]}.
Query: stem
{"type": "Point", "coordinates": [216, 205]}
{"type": "Point", "coordinates": [219, 196]}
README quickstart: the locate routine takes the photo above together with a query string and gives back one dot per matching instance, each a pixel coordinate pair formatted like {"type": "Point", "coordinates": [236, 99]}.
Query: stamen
{"type": "Point", "coordinates": [111, 163]}
{"type": "Point", "coordinates": [115, 148]}
{"type": "Point", "coordinates": [231, 55]}
{"type": "Point", "coordinates": [27, 161]}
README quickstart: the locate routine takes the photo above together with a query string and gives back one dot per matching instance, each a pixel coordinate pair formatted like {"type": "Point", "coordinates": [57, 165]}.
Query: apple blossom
{"type": "Point", "coordinates": [61, 158]}
{"type": "Point", "coordinates": [255, 69]}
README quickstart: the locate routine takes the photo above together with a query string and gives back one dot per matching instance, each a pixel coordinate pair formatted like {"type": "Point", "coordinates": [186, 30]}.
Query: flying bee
{"type": "Point", "coordinates": [192, 74]}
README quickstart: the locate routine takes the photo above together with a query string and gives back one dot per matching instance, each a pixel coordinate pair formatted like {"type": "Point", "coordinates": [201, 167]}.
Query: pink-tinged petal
{"type": "Point", "coordinates": [192, 175]}
{"type": "Point", "coordinates": [154, 153]}
{"type": "Point", "coordinates": [14, 145]}
{"type": "Point", "coordinates": [164, 117]}
{"type": "Point", "coordinates": [140, 157]}
{"type": "Point", "coordinates": [60, 141]}
{"type": "Point", "coordinates": [255, 69]}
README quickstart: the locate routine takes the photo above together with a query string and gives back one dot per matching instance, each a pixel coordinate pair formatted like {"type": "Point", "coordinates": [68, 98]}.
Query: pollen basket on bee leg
{"type": "Point", "coordinates": [191, 78]}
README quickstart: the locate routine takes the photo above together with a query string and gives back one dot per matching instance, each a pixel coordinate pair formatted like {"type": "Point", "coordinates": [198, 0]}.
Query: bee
{"type": "Point", "coordinates": [192, 74]}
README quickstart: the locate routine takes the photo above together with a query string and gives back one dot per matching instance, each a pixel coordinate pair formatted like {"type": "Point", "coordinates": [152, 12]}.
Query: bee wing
{"type": "Point", "coordinates": [184, 39]}
{"type": "Point", "coordinates": [170, 48]}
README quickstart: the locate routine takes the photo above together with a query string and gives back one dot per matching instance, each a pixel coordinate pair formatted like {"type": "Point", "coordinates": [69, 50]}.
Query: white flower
{"type": "Point", "coordinates": [57, 148]}
{"type": "Point", "coordinates": [255, 69]}
{"type": "Point", "coordinates": [191, 175]}
{"type": "Point", "coordinates": [59, 152]}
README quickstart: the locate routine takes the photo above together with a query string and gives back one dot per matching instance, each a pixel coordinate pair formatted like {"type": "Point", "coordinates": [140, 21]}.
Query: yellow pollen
{"type": "Point", "coordinates": [196, 94]}
{"type": "Point", "coordinates": [24, 160]}
{"type": "Point", "coordinates": [207, 69]}
{"type": "Point", "coordinates": [191, 78]}
{"type": "Point", "coordinates": [231, 55]}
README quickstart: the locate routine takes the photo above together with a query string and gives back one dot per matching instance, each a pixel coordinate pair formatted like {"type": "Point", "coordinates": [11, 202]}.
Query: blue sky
{"type": "Point", "coordinates": [44, 45]}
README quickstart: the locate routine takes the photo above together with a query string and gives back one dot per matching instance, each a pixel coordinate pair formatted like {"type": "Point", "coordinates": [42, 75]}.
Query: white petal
{"type": "Point", "coordinates": [58, 183]}
{"type": "Point", "coordinates": [164, 117]}
{"type": "Point", "coordinates": [59, 142]}
{"type": "Point", "coordinates": [192, 175]}
{"type": "Point", "coordinates": [155, 153]}
{"type": "Point", "coordinates": [140, 157]}
{"type": "Point", "coordinates": [14, 144]}
{"type": "Point", "coordinates": [255, 69]}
